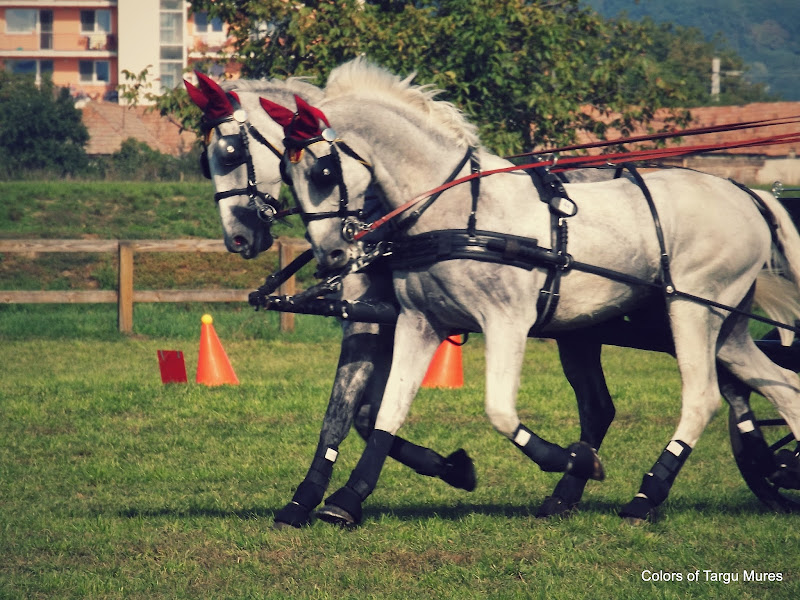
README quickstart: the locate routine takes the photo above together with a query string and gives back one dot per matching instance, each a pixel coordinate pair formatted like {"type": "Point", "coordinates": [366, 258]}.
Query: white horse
{"type": "Point", "coordinates": [242, 159]}
{"type": "Point", "coordinates": [711, 243]}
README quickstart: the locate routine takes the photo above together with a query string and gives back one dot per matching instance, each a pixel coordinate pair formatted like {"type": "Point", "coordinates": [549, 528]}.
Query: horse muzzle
{"type": "Point", "coordinates": [249, 246]}
{"type": "Point", "coordinates": [335, 259]}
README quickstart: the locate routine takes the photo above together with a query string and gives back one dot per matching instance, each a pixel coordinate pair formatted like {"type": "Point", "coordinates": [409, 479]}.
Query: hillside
{"type": "Point", "coordinates": [765, 34]}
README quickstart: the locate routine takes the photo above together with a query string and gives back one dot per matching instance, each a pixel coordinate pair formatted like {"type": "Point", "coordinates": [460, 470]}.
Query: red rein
{"type": "Point", "coordinates": [574, 162]}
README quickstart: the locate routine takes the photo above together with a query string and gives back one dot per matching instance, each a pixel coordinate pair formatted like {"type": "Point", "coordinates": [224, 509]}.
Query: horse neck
{"type": "Point", "coordinates": [408, 158]}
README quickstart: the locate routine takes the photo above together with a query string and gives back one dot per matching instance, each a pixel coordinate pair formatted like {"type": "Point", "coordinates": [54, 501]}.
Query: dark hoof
{"type": "Point", "coordinates": [336, 516]}
{"type": "Point", "coordinates": [639, 511]}
{"type": "Point", "coordinates": [584, 462]}
{"type": "Point", "coordinates": [787, 475]}
{"type": "Point", "coordinates": [459, 471]}
{"type": "Point", "coordinates": [292, 515]}
{"type": "Point", "coordinates": [553, 506]}
{"type": "Point", "coordinates": [342, 508]}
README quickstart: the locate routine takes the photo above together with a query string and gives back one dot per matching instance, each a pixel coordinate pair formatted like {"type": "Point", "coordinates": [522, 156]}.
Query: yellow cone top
{"type": "Point", "coordinates": [206, 320]}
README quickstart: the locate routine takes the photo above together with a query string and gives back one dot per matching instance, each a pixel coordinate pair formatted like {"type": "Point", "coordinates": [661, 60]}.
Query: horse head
{"type": "Point", "coordinates": [242, 158]}
{"type": "Point", "coordinates": [329, 179]}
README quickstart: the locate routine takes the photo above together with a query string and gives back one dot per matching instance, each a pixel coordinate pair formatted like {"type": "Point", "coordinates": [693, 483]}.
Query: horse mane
{"type": "Point", "coordinates": [366, 79]}
{"type": "Point", "coordinates": [294, 85]}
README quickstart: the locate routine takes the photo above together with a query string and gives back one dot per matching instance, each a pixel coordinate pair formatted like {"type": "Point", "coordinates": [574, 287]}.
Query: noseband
{"type": "Point", "coordinates": [327, 172]}
{"type": "Point", "coordinates": [236, 151]}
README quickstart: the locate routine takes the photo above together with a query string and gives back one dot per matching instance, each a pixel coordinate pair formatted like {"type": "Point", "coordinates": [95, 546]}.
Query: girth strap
{"type": "Point", "coordinates": [425, 249]}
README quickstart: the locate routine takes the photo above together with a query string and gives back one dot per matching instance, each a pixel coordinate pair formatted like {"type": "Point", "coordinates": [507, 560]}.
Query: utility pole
{"type": "Point", "coordinates": [715, 62]}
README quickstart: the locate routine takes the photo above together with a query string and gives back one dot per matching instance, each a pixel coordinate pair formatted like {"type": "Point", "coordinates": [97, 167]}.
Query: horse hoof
{"type": "Point", "coordinates": [292, 515]}
{"type": "Point", "coordinates": [787, 475]}
{"type": "Point", "coordinates": [342, 508]}
{"type": "Point", "coordinates": [639, 511]}
{"type": "Point", "coordinates": [336, 516]}
{"type": "Point", "coordinates": [553, 506]}
{"type": "Point", "coordinates": [584, 462]}
{"type": "Point", "coordinates": [460, 471]}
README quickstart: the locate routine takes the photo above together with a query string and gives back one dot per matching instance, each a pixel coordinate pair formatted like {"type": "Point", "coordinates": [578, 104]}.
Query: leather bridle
{"type": "Point", "coordinates": [235, 151]}
{"type": "Point", "coordinates": [327, 172]}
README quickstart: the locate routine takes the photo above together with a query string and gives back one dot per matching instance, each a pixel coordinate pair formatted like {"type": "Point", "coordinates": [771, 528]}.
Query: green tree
{"type": "Point", "coordinates": [683, 57]}
{"type": "Point", "coordinates": [507, 63]}
{"type": "Point", "coordinates": [40, 128]}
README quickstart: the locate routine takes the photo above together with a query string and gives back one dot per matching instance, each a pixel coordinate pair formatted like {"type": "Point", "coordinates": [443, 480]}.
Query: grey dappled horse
{"type": "Point", "coordinates": [242, 162]}
{"type": "Point", "coordinates": [373, 128]}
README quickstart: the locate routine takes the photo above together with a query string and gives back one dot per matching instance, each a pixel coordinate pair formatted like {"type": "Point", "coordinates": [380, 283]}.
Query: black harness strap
{"type": "Point", "coordinates": [666, 277]}
{"type": "Point", "coordinates": [409, 221]}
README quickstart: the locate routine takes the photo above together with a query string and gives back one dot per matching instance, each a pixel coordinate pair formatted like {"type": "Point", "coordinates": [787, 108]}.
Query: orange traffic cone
{"type": "Point", "coordinates": [213, 366]}
{"type": "Point", "coordinates": [446, 369]}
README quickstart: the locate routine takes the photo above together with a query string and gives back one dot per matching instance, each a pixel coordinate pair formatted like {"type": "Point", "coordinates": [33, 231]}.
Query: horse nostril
{"type": "Point", "coordinates": [337, 258]}
{"type": "Point", "coordinates": [239, 241]}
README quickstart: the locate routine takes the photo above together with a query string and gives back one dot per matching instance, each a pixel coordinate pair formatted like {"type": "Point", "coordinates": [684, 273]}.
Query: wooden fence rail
{"type": "Point", "coordinates": [125, 296]}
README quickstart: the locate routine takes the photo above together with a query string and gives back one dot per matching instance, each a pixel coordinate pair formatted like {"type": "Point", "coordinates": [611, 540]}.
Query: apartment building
{"type": "Point", "coordinates": [88, 45]}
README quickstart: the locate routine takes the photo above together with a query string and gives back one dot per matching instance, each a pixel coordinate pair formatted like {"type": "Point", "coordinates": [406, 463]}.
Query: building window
{"type": "Point", "coordinates": [95, 21]}
{"type": "Point", "coordinates": [37, 68]}
{"type": "Point", "coordinates": [94, 71]}
{"type": "Point", "coordinates": [21, 20]}
{"type": "Point", "coordinates": [171, 49]}
{"type": "Point", "coordinates": [202, 24]}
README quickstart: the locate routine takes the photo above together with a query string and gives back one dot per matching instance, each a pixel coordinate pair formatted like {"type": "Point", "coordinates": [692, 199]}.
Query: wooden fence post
{"type": "Point", "coordinates": [286, 254]}
{"type": "Point", "coordinates": [125, 301]}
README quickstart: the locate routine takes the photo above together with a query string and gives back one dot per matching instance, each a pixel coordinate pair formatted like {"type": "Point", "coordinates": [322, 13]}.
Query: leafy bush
{"type": "Point", "coordinates": [42, 129]}
{"type": "Point", "coordinates": [136, 161]}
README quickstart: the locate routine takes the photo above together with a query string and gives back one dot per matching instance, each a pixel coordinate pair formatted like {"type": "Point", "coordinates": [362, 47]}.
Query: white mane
{"type": "Point", "coordinates": [294, 85]}
{"type": "Point", "coordinates": [359, 76]}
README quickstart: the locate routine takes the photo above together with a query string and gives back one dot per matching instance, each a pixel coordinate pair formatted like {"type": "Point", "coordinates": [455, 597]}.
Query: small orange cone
{"type": "Point", "coordinates": [446, 369]}
{"type": "Point", "coordinates": [213, 366]}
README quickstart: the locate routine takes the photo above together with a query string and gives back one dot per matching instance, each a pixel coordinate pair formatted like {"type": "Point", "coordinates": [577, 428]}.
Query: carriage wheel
{"type": "Point", "coordinates": [751, 456]}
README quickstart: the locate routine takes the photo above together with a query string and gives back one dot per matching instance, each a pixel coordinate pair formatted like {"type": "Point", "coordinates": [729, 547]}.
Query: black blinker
{"type": "Point", "coordinates": [285, 177]}
{"type": "Point", "coordinates": [204, 166]}
{"type": "Point", "coordinates": [230, 150]}
{"type": "Point", "coordinates": [325, 171]}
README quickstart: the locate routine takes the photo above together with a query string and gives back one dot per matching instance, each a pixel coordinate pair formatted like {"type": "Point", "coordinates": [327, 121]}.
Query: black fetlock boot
{"type": "Point", "coordinates": [656, 484]}
{"type": "Point", "coordinates": [310, 491]}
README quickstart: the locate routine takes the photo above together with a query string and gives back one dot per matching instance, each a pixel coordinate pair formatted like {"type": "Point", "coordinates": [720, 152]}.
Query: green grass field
{"type": "Point", "coordinates": [113, 485]}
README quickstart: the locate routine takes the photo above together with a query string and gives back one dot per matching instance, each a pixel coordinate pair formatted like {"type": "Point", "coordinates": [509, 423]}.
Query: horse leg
{"type": "Point", "coordinates": [414, 346]}
{"type": "Point", "coordinates": [456, 469]}
{"type": "Point", "coordinates": [505, 349]}
{"type": "Point", "coordinates": [695, 331]}
{"type": "Point", "coordinates": [360, 379]}
{"type": "Point", "coordinates": [354, 370]}
{"type": "Point", "coordinates": [584, 371]}
{"type": "Point", "coordinates": [780, 386]}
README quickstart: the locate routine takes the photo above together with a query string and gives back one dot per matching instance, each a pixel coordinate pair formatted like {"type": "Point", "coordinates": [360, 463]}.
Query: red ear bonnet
{"type": "Point", "coordinates": [299, 126]}
{"type": "Point", "coordinates": [281, 115]}
{"type": "Point", "coordinates": [210, 97]}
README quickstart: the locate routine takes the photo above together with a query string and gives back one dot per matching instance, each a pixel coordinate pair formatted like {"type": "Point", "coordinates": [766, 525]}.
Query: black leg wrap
{"type": "Point", "coordinates": [550, 457]}
{"type": "Point", "coordinates": [787, 469]}
{"type": "Point", "coordinates": [754, 446]}
{"type": "Point", "coordinates": [310, 491]}
{"type": "Point", "coordinates": [343, 507]}
{"type": "Point", "coordinates": [423, 460]}
{"type": "Point", "coordinates": [657, 483]}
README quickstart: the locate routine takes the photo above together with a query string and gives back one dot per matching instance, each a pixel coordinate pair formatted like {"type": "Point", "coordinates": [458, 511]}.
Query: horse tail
{"type": "Point", "coordinates": [778, 285]}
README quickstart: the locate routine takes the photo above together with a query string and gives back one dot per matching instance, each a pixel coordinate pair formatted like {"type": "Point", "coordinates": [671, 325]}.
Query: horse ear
{"type": "Point", "coordinates": [280, 114]}
{"type": "Point", "coordinates": [218, 105]}
{"type": "Point", "coordinates": [196, 96]}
